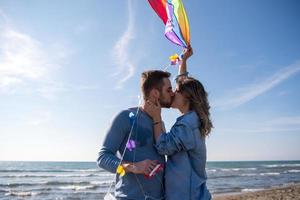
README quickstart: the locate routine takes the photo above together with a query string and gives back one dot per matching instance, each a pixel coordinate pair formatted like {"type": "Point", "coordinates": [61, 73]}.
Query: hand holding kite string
{"type": "Point", "coordinates": [182, 70]}
{"type": "Point", "coordinates": [186, 53]}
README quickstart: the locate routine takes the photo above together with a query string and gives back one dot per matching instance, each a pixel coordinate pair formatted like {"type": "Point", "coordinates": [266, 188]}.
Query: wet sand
{"type": "Point", "coordinates": [290, 192]}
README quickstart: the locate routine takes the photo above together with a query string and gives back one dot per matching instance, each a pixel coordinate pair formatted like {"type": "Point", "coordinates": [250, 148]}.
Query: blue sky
{"type": "Point", "coordinates": [67, 67]}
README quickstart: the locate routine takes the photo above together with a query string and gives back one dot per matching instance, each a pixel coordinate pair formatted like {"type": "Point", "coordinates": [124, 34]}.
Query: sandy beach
{"type": "Point", "coordinates": [283, 193]}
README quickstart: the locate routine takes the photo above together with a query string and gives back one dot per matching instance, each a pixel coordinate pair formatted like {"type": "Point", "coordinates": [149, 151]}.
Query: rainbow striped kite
{"type": "Point", "coordinates": [173, 14]}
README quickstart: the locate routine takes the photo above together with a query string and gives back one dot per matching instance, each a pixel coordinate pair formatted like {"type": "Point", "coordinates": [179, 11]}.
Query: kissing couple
{"type": "Point", "coordinates": [152, 163]}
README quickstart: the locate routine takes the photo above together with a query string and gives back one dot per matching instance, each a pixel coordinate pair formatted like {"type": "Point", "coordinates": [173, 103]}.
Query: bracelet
{"type": "Point", "coordinates": [184, 74]}
{"type": "Point", "coordinates": [155, 123]}
{"type": "Point", "coordinates": [180, 75]}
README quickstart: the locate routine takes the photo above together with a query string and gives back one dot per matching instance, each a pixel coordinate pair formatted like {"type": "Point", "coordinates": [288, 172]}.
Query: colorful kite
{"type": "Point", "coordinates": [173, 15]}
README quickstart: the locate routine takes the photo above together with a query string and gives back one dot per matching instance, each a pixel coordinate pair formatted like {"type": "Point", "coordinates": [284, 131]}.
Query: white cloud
{"type": "Point", "coordinates": [7, 81]}
{"type": "Point", "coordinates": [27, 65]}
{"type": "Point", "coordinates": [50, 89]}
{"type": "Point", "coordinates": [284, 121]}
{"type": "Point", "coordinates": [23, 59]}
{"type": "Point", "coordinates": [245, 94]}
{"type": "Point", "coordinates": [260, 129]}
{"type": "Point", "coordinates": [38, 117]}
{"type": "Point", "coordinates": [125, 67]}
{"type": "Point", "coordinates": [21, 56]}
{"type": "Point", "coordinates": [3, 18]}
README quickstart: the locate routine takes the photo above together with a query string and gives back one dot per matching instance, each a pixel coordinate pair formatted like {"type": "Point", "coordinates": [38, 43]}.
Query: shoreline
{"type": "Point", "coordinates": [284, 192]}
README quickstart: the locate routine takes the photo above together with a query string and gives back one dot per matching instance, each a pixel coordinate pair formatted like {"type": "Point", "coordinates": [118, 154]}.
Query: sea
{"type": "Point", "coordinates": [84, 180]}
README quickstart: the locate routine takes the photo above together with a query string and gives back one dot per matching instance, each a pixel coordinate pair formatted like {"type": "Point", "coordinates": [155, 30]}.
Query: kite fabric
{"type": "Point", "coordinates": [173, 14]}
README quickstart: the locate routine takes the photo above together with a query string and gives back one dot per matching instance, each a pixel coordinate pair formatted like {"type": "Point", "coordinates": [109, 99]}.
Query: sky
{"type": "Point", "coordinates": [68, 67]}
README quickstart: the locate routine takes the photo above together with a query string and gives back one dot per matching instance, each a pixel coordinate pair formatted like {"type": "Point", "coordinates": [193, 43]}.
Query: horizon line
{"type": "Point", "coordinates": [96, 161]}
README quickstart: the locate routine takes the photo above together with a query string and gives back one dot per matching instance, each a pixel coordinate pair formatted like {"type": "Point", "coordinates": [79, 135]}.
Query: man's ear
{"type": "Point", "coordinates": [155, 93]}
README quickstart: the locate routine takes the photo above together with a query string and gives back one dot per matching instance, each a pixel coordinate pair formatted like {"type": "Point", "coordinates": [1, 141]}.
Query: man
{"type": "Point", "coordinates": [143, 158]}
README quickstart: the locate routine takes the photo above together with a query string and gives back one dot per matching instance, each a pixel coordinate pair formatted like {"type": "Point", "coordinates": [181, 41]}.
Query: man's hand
{"type": "Point", "coordinates": [142, 167]}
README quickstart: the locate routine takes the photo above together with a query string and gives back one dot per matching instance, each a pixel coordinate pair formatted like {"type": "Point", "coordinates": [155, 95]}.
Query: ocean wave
{"type": "Point", "coordinates": [3, 191]}
{"type": "Point", "coordinates": [230, 169]}
{"type": "Point", "coordinates": [270, 174]}
{"type": "Point", "coordinates": [102, 183]}
{"type": "Point", "coordinates": [235, 175]}
{"type": "Point", "coordinates": [49, 170]}
{"type": "Point", "coordinates": [251, 168]}
{"type": "Point", "coordinates": [78, 187]}
{"type": "Point", "coordinates": [48, 176]}
{"type": "Point", "coordinates": [248, 174]}
{"type": "Point", "coordinates": [54, 183]}
{"type": "Point", "coordinates": [211, 170]}
{"type": "Point", "coordinates": [17, 184]}
{"type": "Point", "coordinates": [48, 183]}
{"type": "Point", "coordinates": [292, 171]}
{"type": "Point", "coordinates": [238, 169]}
{"type": "Point", "coordinates": [222, 176]}
{"type": "Point", "coordinates": [88, 170]}
{"type": "Point", "coordinates": [281, 165]}
{"type": "Point", "coordinates": [251, 189]}
{"type": "Point", "coordinates": [21, 194]}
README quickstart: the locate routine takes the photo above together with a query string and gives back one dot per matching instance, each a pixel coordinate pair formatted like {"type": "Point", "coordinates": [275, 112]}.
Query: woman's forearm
{"type": "Point", "coordinates": [182, 67]}
{"type": "Point", "coordinates": [158, 129]}
{"type": "Point", "coordinates": [182, 70]}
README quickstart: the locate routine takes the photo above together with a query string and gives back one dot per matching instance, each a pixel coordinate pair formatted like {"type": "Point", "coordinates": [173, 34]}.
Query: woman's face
{"type": "Point", "coordinates": [179, 100]}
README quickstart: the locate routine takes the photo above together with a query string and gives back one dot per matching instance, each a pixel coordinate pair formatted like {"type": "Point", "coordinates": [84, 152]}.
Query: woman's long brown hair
{"type": "Point", "coordinates": [194, 91]}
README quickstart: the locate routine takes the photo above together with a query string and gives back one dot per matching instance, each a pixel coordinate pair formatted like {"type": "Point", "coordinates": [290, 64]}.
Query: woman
{"type": "Point", "coordinates": [184, 144]}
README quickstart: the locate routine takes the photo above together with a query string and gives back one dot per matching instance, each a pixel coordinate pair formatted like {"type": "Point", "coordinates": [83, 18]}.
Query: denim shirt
{"type": "Point", "coordinates": [185, 175]}
{"type": "Point", "coordinates": [132, 186]}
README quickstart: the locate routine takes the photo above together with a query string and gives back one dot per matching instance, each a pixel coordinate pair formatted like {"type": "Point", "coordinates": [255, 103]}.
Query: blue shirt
{"type": "Point", "coordinates": [185, 175]}
{"type": "Point", "coordinates": [132, 186]}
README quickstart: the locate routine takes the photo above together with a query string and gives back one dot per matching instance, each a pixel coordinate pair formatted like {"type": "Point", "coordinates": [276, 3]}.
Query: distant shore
{"type": "Point", "coordinates": [283, 193]}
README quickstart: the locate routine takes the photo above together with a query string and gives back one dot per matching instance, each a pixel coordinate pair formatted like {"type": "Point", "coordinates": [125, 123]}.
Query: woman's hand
{"type": "Point", "coordinates": [154, 110]}
{"type": "Point", "coordinates": [188, 52]}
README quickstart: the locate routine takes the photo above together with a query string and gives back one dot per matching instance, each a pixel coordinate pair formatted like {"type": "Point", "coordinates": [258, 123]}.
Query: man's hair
{"type": "Point", "coordinates": [152, 79]}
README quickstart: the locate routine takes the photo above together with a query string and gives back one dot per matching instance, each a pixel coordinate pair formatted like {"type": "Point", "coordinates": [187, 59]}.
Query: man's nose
{"type": "Point", "coordinates": [172, 94]}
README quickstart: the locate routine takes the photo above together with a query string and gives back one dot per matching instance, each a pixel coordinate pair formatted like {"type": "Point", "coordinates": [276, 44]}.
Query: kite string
{"type": "Point", "coordinates": [122, 157]}
{"type": "Point", "coordinates": [123, 154]}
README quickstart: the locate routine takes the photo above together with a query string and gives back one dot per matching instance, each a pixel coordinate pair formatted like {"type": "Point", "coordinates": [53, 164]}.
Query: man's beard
{"type": "Point", "coordinates": [165, 104]}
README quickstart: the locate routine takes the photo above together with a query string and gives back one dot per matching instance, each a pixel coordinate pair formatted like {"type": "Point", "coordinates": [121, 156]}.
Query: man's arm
{"type": "Point", "coordinates": [116, 134]}
{"type": "Point", "coordinates": [114, 138]}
